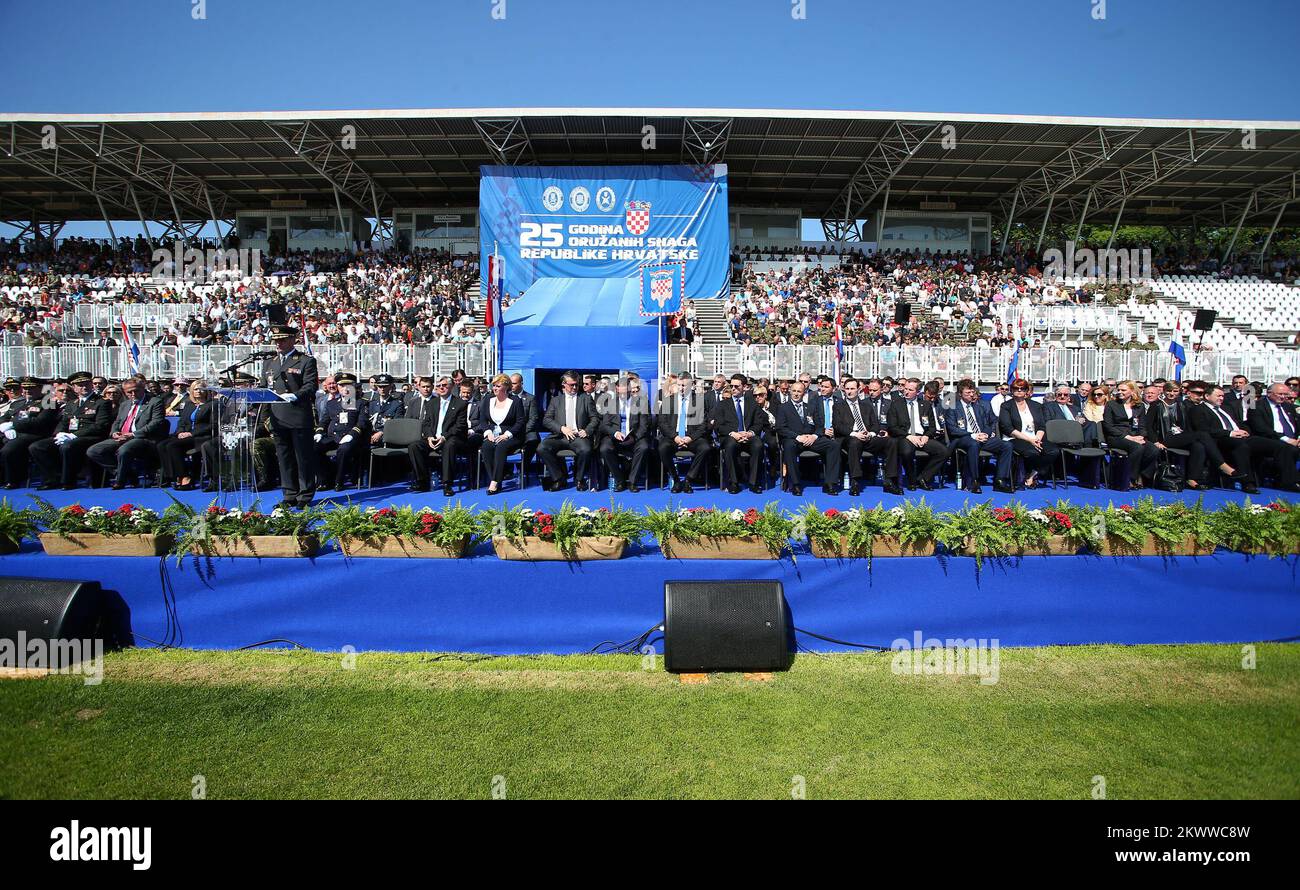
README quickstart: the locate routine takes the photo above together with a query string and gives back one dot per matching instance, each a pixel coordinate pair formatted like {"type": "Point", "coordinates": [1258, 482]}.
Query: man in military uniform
{"type": "Point", "coordinates": [385, 406]}
{"type": "Point", "coordinates": [13, 392]}
{"type": "Point", "coordinates": [293, 375]}
{"type": "Point", "coordinates": [85, 420]}
{"type": "Point", "coordinates": [32, 419]}
{"type": "Point", "coordinates": [344, 429]}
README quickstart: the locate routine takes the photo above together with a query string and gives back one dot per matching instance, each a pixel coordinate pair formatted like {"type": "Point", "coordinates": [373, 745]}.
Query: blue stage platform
{"type": "Point", "coordinates": [483, 604]}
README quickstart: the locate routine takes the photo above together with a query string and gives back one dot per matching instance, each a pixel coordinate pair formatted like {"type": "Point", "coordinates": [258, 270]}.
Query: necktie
{"type": "Point", "coordinates": [623, 417]}
{"type": "Point", "coordinates": [916, 421]}
{"type": "Point", "coordinates": [130, 418]}
{"type": "Point", "coordinates": [568, 411]}
{"type": "Point", "coordinates": [971, 423]}
{"type": "Point", "coordinates": [798, 406]}
{"type": "Point", "coordinates": [423, 402]}
{"type": "Point", "coordinates": [857, 418]}
{"type": "Point", "coordinates": [1287, 429]}
{"type": "Point", "coordinates": [442, 415]}
{"type": "Point", "coordinates": [1224, 419]}
{"type": "Point", "coordinates": [681, 417]}
{"type": "Point", "coordinates": [826, 413]}
{"type": "Point", "coordinates": [740, 417]}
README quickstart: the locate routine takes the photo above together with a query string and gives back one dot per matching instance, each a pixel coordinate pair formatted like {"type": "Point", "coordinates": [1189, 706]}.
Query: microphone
{"type": "Point", "coordinates": [264, 355]}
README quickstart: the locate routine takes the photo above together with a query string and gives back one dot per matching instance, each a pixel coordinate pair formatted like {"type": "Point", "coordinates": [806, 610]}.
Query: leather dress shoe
{"type": "Point", "coordinates": [733, 488]}
{"type": "Point", "coordinates": [754, 489]}
{"type": "Point", "coordinates": [1003, 487]}
{"type": "Point", "coordinates": [447, 492]}
{"type": "Point", "coordinates": [583, 486]}
{"type": "Point", "coordinates": [633, 487]}
{"type": "Point", "coordinates": [854, 489]}
{"type": "Point", "coordinates": [686, 487]}
{"type": "Point", "coordinates": [974, 488]}
{"type": "Point", "coordinates": [796, 490]}
{"type": "Point", "coordinates": [924, 486]}
{"type": "Point", "coordinates": [620, 486]}
{"type": "Point", "coordinates": [893, 488]}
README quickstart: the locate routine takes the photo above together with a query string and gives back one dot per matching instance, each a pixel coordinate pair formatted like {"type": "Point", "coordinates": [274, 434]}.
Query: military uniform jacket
{"type": "Point", "coordinates": [88, 419]}
{"type": "Point", "coordinates": [292, 373]}
{"type": "Point", "coordinates": [34, 417]}
{"type": "Point", "coordinates": [380, 412]}
{"type": "Point", "coordinates": [339, 421]}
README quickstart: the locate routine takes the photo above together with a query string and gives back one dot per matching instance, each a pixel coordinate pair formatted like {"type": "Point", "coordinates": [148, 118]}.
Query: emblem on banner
{"type": "Point", "coordinates": [637, 217]}
{"type": "Point", "coordinates": [661, 287]}
{"type": "Point", "coordinates": [605, 199]}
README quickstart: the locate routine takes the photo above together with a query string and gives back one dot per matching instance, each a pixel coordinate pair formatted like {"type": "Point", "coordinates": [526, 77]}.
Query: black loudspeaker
{"type": "Point", "coordinates": [1204, 320]}
{"type": "Point", "coordinates": [48, 609]}
{"type": "Point", "coordinates": [726, 626]}
{"type": "Point", "coordinates": [277, 314]}
{"type": "Point", "coordinates": [902, 313]}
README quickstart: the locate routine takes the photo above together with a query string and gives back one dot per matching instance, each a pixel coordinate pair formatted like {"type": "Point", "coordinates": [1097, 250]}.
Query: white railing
{"type": "Point", "coordinates": [90, 318]}
{"type": "Point", "coordinates": [402, 361]}
{"type": "Point", "coordinates": [982, 364]}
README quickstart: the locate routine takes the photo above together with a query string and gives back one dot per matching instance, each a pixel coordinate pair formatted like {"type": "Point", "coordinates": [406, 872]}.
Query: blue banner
{"type": "Point", "coordinates": [607, 222]}
{"type": "Point", "coordinates": [661, 289]}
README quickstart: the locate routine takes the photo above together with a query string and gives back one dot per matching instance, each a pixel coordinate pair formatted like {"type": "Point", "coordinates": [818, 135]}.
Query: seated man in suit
{"type": "Point", "coordinates": [1234, 446]}
{"type": "Point", "coordinates": [912, 421]}
{"type": "Point", "coordinates": [683, 426]}
{"type": "Point", "coordinates": [140, 425]}
{"type": "Point", "coordinates": [973, 430]}
{"type": "Point", "coordinates": [1274, 419]}
{"type": "Point", "coordinates": [807, 427]}
{"type": "Point", "coordinates": [443, 432]}
{"type": "Point", "coordinates": [625, 428]}
{"type": "Point", "coordinates": [739, 422]}
{"type": "Point", "coordinates": [859, 427]}
{"type": "Point", "coordinates": [343, 429]}
{"type": "Point", "coordinates": [571, 420]}
{"type": "Point", "coordinates": [85, 420]}
{"type": "Point", "coordinates": [473, 444]}
{"type": "Point", "coordinates": [1065, 406]}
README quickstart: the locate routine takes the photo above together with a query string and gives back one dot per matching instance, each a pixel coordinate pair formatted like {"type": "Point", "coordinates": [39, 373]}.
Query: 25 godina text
{"type": "Point", "coordinates": [1137, 835]}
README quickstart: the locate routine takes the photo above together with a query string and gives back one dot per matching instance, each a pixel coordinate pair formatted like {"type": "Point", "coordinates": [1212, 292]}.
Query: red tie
{"type": "Point", "coordinates": [130, 419]}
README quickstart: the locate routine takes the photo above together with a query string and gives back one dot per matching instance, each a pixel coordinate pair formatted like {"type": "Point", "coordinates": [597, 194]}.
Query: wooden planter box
{"type": "Point", "coordinates": [401, 547]}
{"type": "Point", "coordinates": [1056, 545]}
{"type": "Point", "coordinates": [536, 550]}
{"type": "Point", "coordinates": [1150, 547]}
{"type": "Point", "coordinates": [105, 545]}
{"type": "Point", "coordinates": [879, 547]}
{"type": "Point", "coordinates": [1259, 551]}
{"type": "Point", "coordinates": [748, 547]}
{"type": "Point", "coordinates": [259, 546]}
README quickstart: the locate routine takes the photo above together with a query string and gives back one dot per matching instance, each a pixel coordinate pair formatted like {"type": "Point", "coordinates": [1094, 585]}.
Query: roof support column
{"type": "Point", "coordinates": [1263, 252]}
{"type": "Point", "coordinates": [1115, 228]}
{"type": "Point", "coordinates": [1038, 248]}
{"type": "Point", "coordinates": [1241, 220]}
{"type": "Point", "coordinates": [1087, 200]}
{"type": "Point", "coordinates": [1011, 218]}
{"type": "Point", "coordinates": [107, 222]}
{"type": "Point", "coordinates": [343, 226]}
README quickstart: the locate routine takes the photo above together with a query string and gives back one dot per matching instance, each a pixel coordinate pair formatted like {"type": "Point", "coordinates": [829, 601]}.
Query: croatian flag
{"type": "Point", "coordinates": [492, 319]}
{"type": "Point", "coordinates": [132, 350]}
{"type": "Point", "coordinates": [1176, 349]}
{"type": "Point", "coordinates": [1014, 367]}
{"type": "Point", "coordinates": [839, 346]}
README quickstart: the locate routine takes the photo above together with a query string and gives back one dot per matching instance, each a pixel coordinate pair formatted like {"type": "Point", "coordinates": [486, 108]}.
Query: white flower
{"type": "Point", "coordinates": [897, 511]}
{"type": "Point", "coordinates": [96, 511]}
{"type": "Point", "coordinates": [852, 514]}
{"type": "Point", "coordinates": [1038, 516]}
{"type": "Point", "coordinates": [737, 514]}
{"type": "Point", "coordinates": [684, 511]}
{"type": "Point", "coordinates": [1258, 509]}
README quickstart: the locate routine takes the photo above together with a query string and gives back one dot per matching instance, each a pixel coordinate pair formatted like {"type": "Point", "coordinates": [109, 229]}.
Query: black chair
{"type": "Point", "coordinates": [1068, 436]}
{"type": "Point", "coordinates": [678, 456]}
{"type": "Point", "coordinates": [399, 434]}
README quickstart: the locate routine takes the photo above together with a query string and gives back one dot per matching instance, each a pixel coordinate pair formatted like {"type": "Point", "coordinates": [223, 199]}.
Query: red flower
{"type": "Point", "coordinates": [1126, 508]}
{"type": "Point", "coordinates": [125, 509]}
{"type": "Point", "coordinates": [831, 513]}
{"type": "Point", "coordinates": [1279, 507]}
{"type": "Point", "coordinates": [75, 510]}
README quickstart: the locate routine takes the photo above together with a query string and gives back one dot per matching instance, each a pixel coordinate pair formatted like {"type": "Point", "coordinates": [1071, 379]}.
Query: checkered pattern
{"type": "Point", "coordinates": [661, 290]}
{"type": "Point", "coordinates": [638, 221]}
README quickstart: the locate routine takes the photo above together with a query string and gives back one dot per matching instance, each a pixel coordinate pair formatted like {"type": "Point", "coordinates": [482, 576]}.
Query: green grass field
{"type": "Point", "coordinates": [1168, 722]}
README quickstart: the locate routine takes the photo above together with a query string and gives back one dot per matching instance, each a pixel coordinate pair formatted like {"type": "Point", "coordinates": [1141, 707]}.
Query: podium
{"type": "Point", "coordinates": [240, 410]}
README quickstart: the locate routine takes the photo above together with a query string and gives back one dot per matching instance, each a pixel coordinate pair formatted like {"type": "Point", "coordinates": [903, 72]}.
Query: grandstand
{"type": "Point", "coordinates": [343, 230]}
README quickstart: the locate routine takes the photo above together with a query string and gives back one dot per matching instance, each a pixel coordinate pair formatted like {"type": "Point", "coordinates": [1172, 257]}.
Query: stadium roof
{"type": "Point", "coordinates": [834, 165]}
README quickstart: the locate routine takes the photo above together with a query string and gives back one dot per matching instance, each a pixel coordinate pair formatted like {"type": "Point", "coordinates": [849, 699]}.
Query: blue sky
{"type": "Point", "coordinates": [1147, 58]}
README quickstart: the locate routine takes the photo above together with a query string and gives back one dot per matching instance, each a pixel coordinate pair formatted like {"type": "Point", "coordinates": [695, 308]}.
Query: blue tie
{"type": "Point", "coordinates": [740, 417]}
{"type": "Point", "coordinates": [826, 410]}
{"type": "Point", "coordinates": [681, 417]}
{"type": "Point", "coordinates": [1287, 429]}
